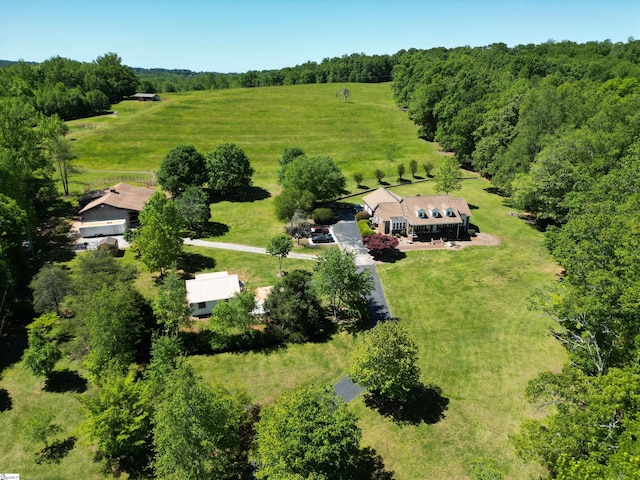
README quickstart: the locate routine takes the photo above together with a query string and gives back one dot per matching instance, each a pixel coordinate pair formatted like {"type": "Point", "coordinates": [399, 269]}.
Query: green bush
{"type": "Point", "coordinates": [471, 232]}
{"type": "Point", "coordinates": [323, 216]}
{"type": "Point", "coordinates": [362, 215]}
{"type": "Point", "coordinates": [365, 229]}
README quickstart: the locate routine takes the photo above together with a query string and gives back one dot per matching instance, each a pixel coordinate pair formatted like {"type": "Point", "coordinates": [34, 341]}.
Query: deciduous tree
{"type": "Point", "coordinates": [294, 310]}
{"type": "Point", "coordinates": [385, 361]}
{"type": "Point", "coordinates": [43, 352]}
{"type": "Point", "coordinates": [291, 201]}
{"type": "Point", "coordinates": [50, 286]}
{"type": "Point", "coordinates": [280, 246]}
{"type": "Point", "coordinates": [119, 417]}
{"type": "Point", "coordinates": [193, 207]}
{"type": "Point", "coordinates": [198, 430]}
{"type": "Point", "coordinates": [159, 237]}
{"type": "Point", "coordinates": [448, 177]}
{"type": "Point", "coordinates": [229, 169]}
{"type": "Point", "coordinates": [307, 433]}
{"type": "Point", "coordinates": [338, 279]}
{"type": "Point", "coordinates": [170, 306]}
{"type": "Point", "coordinates": [413, 168]}
{"type": "Point", "coordinates": [318, 175]}
{"type": "Point", "coordinates": [182, 167]}
{"type": "Point", "coordinates": [379, 243]}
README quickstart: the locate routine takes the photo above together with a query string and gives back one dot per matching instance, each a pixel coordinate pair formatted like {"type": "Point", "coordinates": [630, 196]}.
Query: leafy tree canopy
{"type": "Point", "coordinates": [448, 177]}
{"type": "Point", "coordinates": [229, 169]}
{"type": "Point", "coordinates": [280, 246]}
{"type": "Point", "coordinates": [159, 237]}
{"type": "Point", "coordinates": [182, 167]}
{"type": "Point", "coordinates": [307, 433]}
{"type": "Point", "coordinates": [385, 361]}
{"type": "Point", "coordinates": [318, 175]}
{"type": "Point", "coordinates": [294, 310]}
{"type": "Point", "coordinates": [198, 430]}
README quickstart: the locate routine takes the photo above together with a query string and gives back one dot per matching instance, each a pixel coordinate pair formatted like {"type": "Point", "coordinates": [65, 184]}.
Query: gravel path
{"type": "Point", "coordinates": [242, 248]}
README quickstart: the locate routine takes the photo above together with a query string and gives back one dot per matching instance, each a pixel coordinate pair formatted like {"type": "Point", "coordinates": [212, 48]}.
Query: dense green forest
{"type": "Point", "coordinates": [555, 126]}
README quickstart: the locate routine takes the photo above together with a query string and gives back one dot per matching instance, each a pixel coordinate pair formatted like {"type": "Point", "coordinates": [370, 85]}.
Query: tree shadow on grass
{"type": "Point", "coordinates": [194, 262]}
{"type": "Point", "coordinates": [425, 404]}
{"type": "Point", "coordinates": [5, 400]}
{"type": "Point", "coordinates": [495, 191]}
{"type": "Point", "coordinates": [61, 381]}
{"type": "Point", "coordinates": [214, 229]}
{"type": "Point", "coordinates": [390, 256]}
{"type": "Point", "coordinates": [370, 466]}
{"type": "Point", "coordinates": [251, 194]}
{"type": "Point", "coordinates": [55, 452]}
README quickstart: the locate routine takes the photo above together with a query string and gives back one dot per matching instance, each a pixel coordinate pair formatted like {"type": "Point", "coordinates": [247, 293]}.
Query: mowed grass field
{"type": "Point", "coordinates": [262, 122]}
{"type": "Point", "coordinates": [466, 309]}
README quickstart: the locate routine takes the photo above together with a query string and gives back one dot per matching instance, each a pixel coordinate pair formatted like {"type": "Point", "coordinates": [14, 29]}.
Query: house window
{"type": "Point", "coordinates": [202, 305]}
{"type": "Point", "coordinates": [450, 212]}
{"type": "Point", "coordinates": [435, 213]}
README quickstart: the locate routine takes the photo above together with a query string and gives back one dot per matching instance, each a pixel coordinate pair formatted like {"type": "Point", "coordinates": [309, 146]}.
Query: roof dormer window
{"type": "Point", "coordinates": [435, 213]}
{"type": "Point", "coordinates": [420, 213]}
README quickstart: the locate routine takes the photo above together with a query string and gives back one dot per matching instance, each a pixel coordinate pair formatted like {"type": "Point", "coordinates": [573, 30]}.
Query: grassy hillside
{"type": "Point", "coordinates": [261, 121]}
{"type": "Point", "coordinates": [466, 309]}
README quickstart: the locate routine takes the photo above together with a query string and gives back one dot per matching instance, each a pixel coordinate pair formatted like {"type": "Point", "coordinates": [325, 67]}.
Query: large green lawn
{"type": "Point", "coordinates": [479, 343]}
{"type": "Point", "coordinates": [466, 309]}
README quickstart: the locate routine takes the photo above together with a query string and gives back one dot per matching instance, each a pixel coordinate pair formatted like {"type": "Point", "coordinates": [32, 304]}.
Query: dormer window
{"type": "Point", "coordinates": [435, 213]}
{"type": "Point", "coordinates": [450, 212]}
{"type": "Point", "coordinates": [421, 213]}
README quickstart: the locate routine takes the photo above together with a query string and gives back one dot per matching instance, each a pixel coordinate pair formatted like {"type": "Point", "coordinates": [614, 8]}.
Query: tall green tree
{"type": "Point", "coordinates": [13, 224]}
{"type": "Point", "coordinates": [198, 430]}
{"type": "Point", "coordinates": [159, 237]}
{"type": "Point", "coordinates": [181, 168]}
{"type": "Point", "coordinates": [229, 169]}
{"type": "Point", "coordinates": [337, 278]}
{"type": "Point", "coordinates": [43, 352]}
{"type": "Point", "coordinates": [50, 286]}
{"type": "Point", "coordinates": [448, 178]}
{"type": "Point", "coordinates": [588, 418]}
{"type": "Point", "coordinates": [289, 154]}
{"type": "Point", "coordinates": [40, 427]}
{"type": "Point", "coordinates": [280, 246]}
{"type": "Point", "coordinates": [318, 175]}
{"type": "Point", "coordinates": [193, 207]}
{"type": "Point", "coordinates": [119, 415]}
{"type": "Point", "coordinates": [307, 433]}
{"type": "Point", "coordinates": [170, 306]}
{"type": "Point", "coordinates": [291, 201]}
{"type": "Point", "coordinates": [385, 361]}
{"type": "Point", "coordinates": [114, 326]}
{"type": "Point", "coordinates": [294, 310]}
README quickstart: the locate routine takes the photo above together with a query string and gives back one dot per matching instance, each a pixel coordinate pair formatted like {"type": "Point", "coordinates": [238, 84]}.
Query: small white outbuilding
{"type": "Point", "coordinates": [207, 289]}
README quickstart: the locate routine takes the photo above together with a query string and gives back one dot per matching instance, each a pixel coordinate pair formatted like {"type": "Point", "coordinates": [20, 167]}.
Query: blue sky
{"type": "Point", "coordinates": [241, 35]}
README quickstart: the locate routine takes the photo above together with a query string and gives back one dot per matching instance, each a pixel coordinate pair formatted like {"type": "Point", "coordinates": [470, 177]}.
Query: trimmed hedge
{"type": "Point", "coordinates": [365, 229]}
{"type": "Point", "coordinates": [323, 216]}
{"type": "Point", "coordinates": [362, 215]}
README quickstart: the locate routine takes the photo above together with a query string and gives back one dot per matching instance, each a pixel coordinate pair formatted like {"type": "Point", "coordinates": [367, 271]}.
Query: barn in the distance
{"type": "Point", "coordinates": [120, 202]}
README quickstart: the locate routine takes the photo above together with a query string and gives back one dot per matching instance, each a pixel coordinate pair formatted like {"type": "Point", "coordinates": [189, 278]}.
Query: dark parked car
{"type": "Point", "coordinates": [323, 238]}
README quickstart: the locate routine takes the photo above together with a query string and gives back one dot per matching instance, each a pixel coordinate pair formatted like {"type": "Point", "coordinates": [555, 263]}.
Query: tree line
{"type": "Point", "coordinates": [69, 88]}
{"type": "Point", "coordinates": [556, 128]}
{"type": "Point", "coordinates": [356, 67]}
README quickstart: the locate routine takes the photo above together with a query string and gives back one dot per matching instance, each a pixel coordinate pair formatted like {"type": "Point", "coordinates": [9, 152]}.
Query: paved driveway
{"type": "Point", "coordinates": [348, 237]}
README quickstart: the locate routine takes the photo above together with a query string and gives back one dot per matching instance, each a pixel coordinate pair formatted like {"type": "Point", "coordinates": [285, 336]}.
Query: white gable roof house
{"type": "Point", "coordinates": [207, 289]}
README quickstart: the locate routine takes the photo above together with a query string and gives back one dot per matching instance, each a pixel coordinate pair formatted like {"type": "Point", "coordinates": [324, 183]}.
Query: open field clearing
{"type": "Point", "coordinates": [466, 309]}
